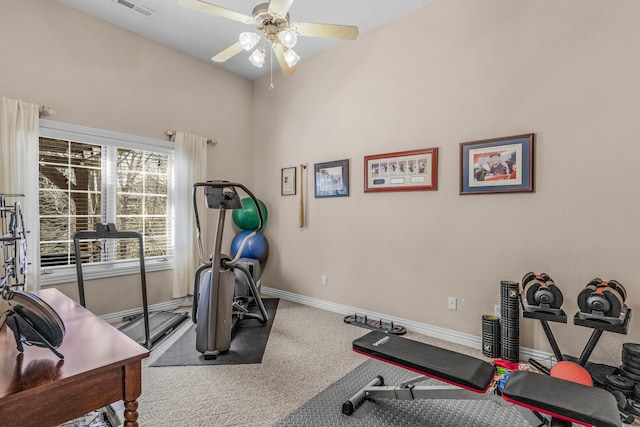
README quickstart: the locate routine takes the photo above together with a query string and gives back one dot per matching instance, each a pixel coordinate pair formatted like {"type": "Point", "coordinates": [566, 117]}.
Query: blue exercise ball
{"type": "Point", "coordinates": [257, 246]}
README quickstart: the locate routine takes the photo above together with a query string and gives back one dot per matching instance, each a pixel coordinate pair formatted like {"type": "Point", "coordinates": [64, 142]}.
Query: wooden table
{"type": "Point", "coordinates": [101, 365]}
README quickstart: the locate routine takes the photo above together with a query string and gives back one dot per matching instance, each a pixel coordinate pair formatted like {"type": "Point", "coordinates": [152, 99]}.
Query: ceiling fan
{"type": "Point", "coordinates": [273, 24]}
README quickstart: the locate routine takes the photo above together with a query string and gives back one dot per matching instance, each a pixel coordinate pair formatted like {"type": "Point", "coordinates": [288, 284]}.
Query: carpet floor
{"type": "Point", "coordinates": [308, 350]}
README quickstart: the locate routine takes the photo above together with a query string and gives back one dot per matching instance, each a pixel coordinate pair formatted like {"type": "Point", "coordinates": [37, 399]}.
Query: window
{"type": "Point", "coordinates": [89, 176]}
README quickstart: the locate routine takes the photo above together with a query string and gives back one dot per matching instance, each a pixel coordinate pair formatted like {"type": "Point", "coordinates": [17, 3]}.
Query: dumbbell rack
{"type": "Point", "coordinates": [597, 322]}
{"type": "Point", "coordinates": [545, 314]}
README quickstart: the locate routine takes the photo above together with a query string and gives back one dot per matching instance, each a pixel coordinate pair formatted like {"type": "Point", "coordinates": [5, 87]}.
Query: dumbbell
{"type": "Point", "coordinates": [607, 297]}
{"type": "Point", "coordinates": [540, 289]}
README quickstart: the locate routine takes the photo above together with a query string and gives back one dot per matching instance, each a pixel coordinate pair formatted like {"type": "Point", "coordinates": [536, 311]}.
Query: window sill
{"type": "Point", "coordinates": [69, 275]}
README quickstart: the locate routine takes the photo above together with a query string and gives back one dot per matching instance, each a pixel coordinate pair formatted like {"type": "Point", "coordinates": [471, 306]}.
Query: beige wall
{"type": "Point", "coordinates": [96, 74]}
{"type": "Point", "coordinates": [456, 71]}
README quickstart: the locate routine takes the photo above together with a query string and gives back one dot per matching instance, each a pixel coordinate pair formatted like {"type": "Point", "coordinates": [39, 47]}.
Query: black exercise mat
{"type": "Point", "coordinates": [325, 409]}
{"type": "Point", "coordinates": [247, 345]}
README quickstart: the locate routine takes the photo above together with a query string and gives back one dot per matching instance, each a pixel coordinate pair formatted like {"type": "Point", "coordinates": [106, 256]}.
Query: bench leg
{"type": "Point", "coordinates": [407, 390]}
{"type": "Point", "coordinates": [350, 405]}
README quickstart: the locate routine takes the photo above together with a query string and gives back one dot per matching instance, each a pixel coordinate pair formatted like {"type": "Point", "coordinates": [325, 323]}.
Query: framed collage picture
{"type": "Point", "coordinates": [402, 171]}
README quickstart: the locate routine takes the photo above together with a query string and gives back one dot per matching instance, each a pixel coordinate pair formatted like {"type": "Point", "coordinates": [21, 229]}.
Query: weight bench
{"type": "Point", "coordinates": [470, 378]}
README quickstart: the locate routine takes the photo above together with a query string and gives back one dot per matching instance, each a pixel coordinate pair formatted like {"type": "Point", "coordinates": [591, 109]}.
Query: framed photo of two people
{"type": "Point", "coordinates": [497, 165]}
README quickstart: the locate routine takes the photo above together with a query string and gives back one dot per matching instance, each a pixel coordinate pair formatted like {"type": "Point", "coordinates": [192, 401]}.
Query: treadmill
{"type": "Point", "coordinates": [150, 328]}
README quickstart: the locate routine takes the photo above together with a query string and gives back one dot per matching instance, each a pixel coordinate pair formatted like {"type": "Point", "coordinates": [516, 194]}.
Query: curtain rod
{"type": "Point", "coordinates": [46, 111]}
{"type": "Point", "coordinates": [172, 136]}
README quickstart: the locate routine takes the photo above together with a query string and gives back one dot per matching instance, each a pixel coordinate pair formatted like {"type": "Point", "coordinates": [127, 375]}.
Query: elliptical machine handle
{"type": "Point", "coordinates": [234, 261]}
{"type": "Point", "coordinates": [223, 184]}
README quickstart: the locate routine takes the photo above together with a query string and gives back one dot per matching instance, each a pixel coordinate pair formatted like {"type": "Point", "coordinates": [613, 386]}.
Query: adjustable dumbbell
{"type": "Point", "coordinates": [540, 289]}
{"type": "Point", "coordinates": [611, 283]}
{"type": "Point", "coordinates": [607, 297]}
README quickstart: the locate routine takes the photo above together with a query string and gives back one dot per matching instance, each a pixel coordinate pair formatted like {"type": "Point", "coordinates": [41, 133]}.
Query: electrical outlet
{"type": "Point", "coordinates": [324, 280]}
{"type": "Point", "coordinates": [496, 310]}
{"type": "Point", "coordinates": [452, 303]}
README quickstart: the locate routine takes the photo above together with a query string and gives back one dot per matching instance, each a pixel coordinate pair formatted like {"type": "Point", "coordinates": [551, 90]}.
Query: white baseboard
{"type": "Point", "coordinates": [163, 306]}
{"type": "Point", "coordinates": [449, 335]}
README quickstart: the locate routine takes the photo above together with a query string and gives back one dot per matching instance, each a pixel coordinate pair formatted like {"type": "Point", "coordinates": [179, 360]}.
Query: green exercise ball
{"type": "Point", "coordinates": [247, 218]}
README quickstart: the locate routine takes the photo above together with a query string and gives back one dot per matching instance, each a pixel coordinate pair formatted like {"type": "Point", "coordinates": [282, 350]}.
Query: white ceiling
{"type": "Point", "coordinates": [203, 35]}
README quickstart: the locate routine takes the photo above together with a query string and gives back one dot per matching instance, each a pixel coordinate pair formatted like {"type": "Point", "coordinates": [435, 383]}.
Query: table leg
{"type": "Point", "coordinates": [131, 413]}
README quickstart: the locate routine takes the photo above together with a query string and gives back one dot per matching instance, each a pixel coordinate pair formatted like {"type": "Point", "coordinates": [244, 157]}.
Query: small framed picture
{"type": "Point", "coordinates": [402, 171]}
{"type": "Point", "coordinates": [288, 181]}
{"type": "Point", "coordinates": [332, 179]}
{"type": "Point", "coordinates": [497, 165]}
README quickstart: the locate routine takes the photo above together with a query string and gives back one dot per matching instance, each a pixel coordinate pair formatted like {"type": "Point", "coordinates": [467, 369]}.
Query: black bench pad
{"type": "Point", "coordinates": [449, 366]}
{"type": "Point", "coordinates": [562, 399]}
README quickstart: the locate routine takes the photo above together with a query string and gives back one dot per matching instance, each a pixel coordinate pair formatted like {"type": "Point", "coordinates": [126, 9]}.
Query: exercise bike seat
{"type": "Point", "coordinates": [451, 367]}
{"type": "Point", "coordinates": [554, 396]}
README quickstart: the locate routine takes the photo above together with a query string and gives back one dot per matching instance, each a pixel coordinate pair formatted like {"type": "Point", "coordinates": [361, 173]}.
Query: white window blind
{"type": "Point", "coordinates": [90, 176]}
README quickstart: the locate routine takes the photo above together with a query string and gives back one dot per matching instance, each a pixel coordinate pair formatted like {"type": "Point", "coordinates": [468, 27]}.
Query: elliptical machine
{"type": "Point", "coordinates": [217, 309]}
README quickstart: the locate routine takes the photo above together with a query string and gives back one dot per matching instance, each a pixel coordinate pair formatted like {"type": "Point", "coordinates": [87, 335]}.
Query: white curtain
{"type": "Point", "coordinates": [190, 166]}
{"type": "Point", "coordinates": [19, 123]}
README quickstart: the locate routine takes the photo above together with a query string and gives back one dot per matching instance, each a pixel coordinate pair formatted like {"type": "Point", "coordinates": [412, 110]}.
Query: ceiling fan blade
{"type": "Point", "coordinates": [228, 53]}
{"type": "Point", "coordinates": [279, 50]}
{"type": "Point", "coordinates": [347, 32]}
{"type": "Point", "coordinates": [216, 10]}
{"type": "Point", "coordinates": [279, 7]}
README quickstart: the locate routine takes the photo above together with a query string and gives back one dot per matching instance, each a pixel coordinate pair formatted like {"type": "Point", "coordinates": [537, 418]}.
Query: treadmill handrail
{"type": "Point", "coordinates": [108, 231]}
{"type": "Point", "coordinates": [107, 235]}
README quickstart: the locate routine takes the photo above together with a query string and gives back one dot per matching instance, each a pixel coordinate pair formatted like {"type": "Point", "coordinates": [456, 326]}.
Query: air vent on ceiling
{"type": "Point", "coordinates": [135, 7]}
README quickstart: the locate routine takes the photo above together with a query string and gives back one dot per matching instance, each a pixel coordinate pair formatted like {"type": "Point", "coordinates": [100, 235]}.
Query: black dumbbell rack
{"type": "Point", "coordinates": [596, 321]}
{"type": "Point", "coordinates": [546, 314]}
{"type": "Point", "coordinates": [600, 323]}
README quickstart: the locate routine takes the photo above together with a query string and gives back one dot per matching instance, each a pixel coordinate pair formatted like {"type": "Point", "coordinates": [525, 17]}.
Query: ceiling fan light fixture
{"type": "Point", "coordinates": [257, 57]}
{"type": "Point", "coordinates": [273, 27]}
{"type": "Point", "coordinates": [290, 57]}
{"type": "Point", "coordinates": [248, 40]}
{"type": "Point", "coordinates": [288, 38]}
